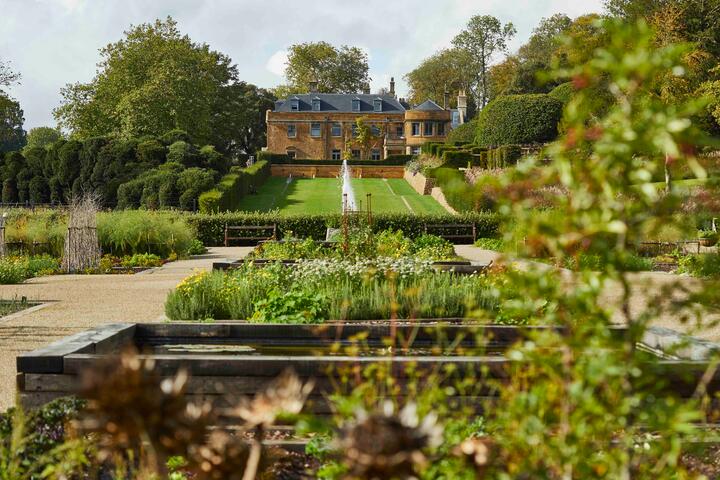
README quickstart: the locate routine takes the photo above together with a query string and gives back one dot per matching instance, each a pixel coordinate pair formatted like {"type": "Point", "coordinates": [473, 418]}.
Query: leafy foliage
{"type": "Point", "coordinates": [519, 119]}
{"type": "Point", "coordinates": [464, 133]}
{"type": "Point", "coordinates": [336, 70]}
{"type": "Point", "coordinates": [154, 80]}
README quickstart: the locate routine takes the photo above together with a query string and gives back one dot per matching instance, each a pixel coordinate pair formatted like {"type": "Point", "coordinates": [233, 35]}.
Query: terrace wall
{"type": "Point", "coordinates": [419, 182]}
{"type": "Point", "coordinates": [332, 171]}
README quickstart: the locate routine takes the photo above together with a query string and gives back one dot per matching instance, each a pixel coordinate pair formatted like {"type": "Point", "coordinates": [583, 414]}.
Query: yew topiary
{"type": "Point", "coordinates": [519, 119]}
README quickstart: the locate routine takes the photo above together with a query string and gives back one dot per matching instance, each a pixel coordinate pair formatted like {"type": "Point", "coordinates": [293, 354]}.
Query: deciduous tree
{"type": "Point", "coordinates": [483, 38]}
{"type": "Point", "coordinates": [42, 137]}
{"type": "Point", "coordinates": [448, 70]}
{"type": "Point", "coordinates": [336, 70]}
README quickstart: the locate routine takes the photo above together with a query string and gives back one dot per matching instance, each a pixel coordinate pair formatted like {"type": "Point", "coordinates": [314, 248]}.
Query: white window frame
{"type": "Point", "coordinates": [355, 102]}
{"type": "Point", "coordinates": [291, 153]}
{"type": "Point", "coordinates": [416, 150]}
{"type": "Point", "coordinates": [316, 105]}
{"type": "Point", "coordinates": [440, 129]}
{"type": "Point", "coordinates": [292, 127]}
{"type": "Point", "coordinates": [312, 129]}
{"type": "Point", "coordinates": [400, 130]}
{"type": "Point", "coordinates": [337, 125]}
{"type": "Point", "coordinates": [336, 154]}
{"type": "Point", "coordinates": [425, 127]}
{"type": "Point", "coordinates": [413, 131]}
{"type": "Point", "coordinates": [295, 105]}
{"type": "Point", "coordinates": [375, 154]}
{"type": "Point", "coordinates": [355, 154]}
{"type": "Point", "coordinates": [377, 105]}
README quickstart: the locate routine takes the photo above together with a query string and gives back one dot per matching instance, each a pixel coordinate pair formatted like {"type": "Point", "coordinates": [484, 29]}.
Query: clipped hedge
{"type": "Point", "coordinates": [519, 119]}
{"type": "Point", "coordinates": [457, 158]}
{"type": "Point", "coordinates": [211, 227]}
{"type": "Point", "coordinates": [233, 187]}
{"type": "Point", "coordinates": [463, 134]}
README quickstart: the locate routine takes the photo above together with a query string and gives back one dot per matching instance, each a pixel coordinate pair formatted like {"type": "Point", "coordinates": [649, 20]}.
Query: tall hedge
{"type": "Point", "coordinates": [233, 187]}
{"type": "Point", "coordinates": [211, 227]}
{"type": "Point", "coordinates": [519, 119]}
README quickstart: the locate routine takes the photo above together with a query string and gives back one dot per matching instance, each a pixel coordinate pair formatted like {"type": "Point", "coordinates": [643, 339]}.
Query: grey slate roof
{"type": "Point", "coordinates": [340, 102]}
{"type": "Point", "coordinates": [428, 105]}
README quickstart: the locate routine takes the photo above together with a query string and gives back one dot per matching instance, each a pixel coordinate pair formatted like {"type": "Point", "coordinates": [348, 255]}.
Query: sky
{"type": "Point", "coordinates": [55, 42]}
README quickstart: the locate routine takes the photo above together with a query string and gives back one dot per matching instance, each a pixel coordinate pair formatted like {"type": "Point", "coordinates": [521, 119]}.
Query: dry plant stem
{"type": "Point", "coordinates": [255, 453]}
{"type": "Point", "coordinates": [82, 249]}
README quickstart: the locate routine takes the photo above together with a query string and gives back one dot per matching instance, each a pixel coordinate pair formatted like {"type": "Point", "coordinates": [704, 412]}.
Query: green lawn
{"type": "Point", "coordinates": [322, 195]}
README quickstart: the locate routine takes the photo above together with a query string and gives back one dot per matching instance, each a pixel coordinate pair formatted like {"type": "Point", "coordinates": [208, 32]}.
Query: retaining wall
{"type": "Point", "coordinates": [332, 171]}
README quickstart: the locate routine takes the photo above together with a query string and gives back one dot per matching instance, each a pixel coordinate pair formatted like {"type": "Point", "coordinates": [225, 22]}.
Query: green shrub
{"type": "Point", "coordinates": [233, 187]}
{"type": "Point", "coordinates": [432, 247]}
{"type": "Point", "coordinates": [141, 260]}
{"type": "Point", "coordinates": [502, 157]}
{"type": "Point", "coordinates": [39, 265]}
{"type": "Point", "coordinates": [13, 270]}
{"type": "Point", "coordinates": [211, 227]}
{"type": "Point", "coordinates": [390, 243]}
{"type": "Point", "coordinates": [291, 307]}
{"type": "Point", "coordinates": [563, 92]}
{"type": "Point", "coordinates": [464, 133]}
{"type": "Point", "coordinates": [495, 244]}
{"type": "Point", "coordinates": [701, 265]}
{"type": "Point", "coordinates": [196, 248]}
{"type": "Point", "coordinates": [457, 158]}
{"type": "Point", "coordinates": [519, 119]}
{"type": "Point", "coordinates": [138, 231]}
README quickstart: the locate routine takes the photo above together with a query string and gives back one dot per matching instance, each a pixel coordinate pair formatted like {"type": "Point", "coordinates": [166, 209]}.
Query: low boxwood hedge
{"type": "Point", "coordinates": [211, 227]}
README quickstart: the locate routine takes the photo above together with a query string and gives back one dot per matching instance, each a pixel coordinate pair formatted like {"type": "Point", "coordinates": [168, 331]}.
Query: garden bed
{"type": "Point", "coordinates": [221, 370]}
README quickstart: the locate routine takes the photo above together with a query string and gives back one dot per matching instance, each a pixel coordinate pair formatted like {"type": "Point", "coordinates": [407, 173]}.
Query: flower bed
{"type": "Point", "coordinates": [324, 289]}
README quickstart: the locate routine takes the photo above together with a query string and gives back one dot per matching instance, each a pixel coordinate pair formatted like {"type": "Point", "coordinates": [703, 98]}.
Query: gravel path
{"type": "Point", "coordinates": [647, 288]}
{"type": "Point", "coordinates": [76, 302]}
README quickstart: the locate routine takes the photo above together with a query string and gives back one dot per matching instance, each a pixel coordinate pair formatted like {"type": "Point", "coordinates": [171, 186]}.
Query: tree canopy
{"type": "Point", "coordinates": [42, 137]}
{"type": "Point", "coordinates": [449, 71]}
{"type": "Point", "coordinates": [483, 38]}
{"type": "Point", "coordinates": [336, 70]}
{"type": "Point", "coordinates": [155, 80]}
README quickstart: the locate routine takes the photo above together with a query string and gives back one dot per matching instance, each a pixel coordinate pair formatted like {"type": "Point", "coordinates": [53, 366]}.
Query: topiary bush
{"type": "Point", "coordinates": [563, 92]}
{"type": "Point", "coordinates": [464, 133]}
{"type": "Point", "coordinates": [519, 119]}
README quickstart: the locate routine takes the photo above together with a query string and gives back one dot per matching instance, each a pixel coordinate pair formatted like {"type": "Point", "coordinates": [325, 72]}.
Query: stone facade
{"type": "Point", "coordinates": [320, 126]}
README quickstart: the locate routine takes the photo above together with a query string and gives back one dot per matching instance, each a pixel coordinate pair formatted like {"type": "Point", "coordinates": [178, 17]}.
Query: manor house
{"type": "Point", "coordinates": [322, 126]}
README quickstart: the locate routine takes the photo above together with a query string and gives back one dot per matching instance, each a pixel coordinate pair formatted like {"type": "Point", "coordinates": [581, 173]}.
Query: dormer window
{"type": "Point", "coordinates": [316, 104]}
{"type": "Point", "coordinates": [295, 104]}
{"type": "Point", "coordinates": [377, 105]}
{"type": "Point", "coordinates": [356, 105]}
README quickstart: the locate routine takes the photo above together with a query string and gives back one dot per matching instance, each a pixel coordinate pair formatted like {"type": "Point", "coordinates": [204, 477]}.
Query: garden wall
{"type": "Point", "coordinates": [332, 171]}
{"type": "Point", "coordinates": [419, 182]}
{"type": "Point", "coordinates": [439, 196]}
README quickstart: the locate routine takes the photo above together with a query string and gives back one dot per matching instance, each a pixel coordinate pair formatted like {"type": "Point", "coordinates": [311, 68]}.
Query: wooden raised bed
{"type": "Point", "coordinates": [228, 369]}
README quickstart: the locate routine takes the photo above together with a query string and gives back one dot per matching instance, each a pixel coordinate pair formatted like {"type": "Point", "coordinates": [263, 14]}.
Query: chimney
{"type": "Point", "coordinates": [392, 86]}
{"type": "Point", "coordinates": [313, 84]}
{"type": "Point", "coordinates": [462, 106]}
{"type": "Point", "coordinates": [446, 99]}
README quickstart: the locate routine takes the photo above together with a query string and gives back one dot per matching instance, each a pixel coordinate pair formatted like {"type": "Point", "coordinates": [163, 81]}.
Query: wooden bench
{"type": "Point", "coordinates": [459, 231]}
{"type": "Point", "coordinates": [261, 232]}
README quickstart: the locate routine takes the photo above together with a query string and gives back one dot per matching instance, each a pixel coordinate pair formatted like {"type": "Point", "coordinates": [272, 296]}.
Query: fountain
{"type": "Point", "coordinates": [348, 194]}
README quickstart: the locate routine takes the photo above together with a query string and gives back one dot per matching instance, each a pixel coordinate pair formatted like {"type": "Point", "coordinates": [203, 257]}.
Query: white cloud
{"type": "Point", "coordinates": [397, 34]}
{"type": "Point", "coordinates": [277, 62]}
